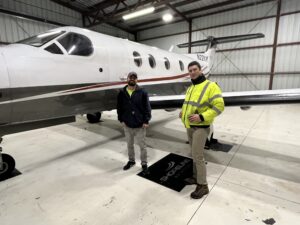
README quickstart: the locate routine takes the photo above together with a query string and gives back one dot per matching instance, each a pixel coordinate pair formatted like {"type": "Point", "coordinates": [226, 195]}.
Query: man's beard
{"type": "Point", "coordinates": [131, 83]}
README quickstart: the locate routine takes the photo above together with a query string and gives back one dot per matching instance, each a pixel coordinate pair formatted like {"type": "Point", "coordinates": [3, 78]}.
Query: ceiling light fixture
{"type": "Point", "coordinates": [167, 17]}
{"type": "Point", "coordinates": [138, 13]}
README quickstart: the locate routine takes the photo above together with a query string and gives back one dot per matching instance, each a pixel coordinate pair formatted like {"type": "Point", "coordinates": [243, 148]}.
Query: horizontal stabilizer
{"type": "Point", "coordinates": [222, 40]}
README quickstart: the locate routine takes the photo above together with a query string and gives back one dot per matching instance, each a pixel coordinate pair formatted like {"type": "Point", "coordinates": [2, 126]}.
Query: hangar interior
{"type": "Point", "coordinates": [72, 173]}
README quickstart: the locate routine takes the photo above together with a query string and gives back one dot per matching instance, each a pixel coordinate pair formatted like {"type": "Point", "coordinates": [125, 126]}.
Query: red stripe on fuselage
{"type": "Point", "coordinates": [107, 84]}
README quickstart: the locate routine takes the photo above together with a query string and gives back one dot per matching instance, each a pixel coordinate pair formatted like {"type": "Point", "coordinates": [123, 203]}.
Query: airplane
{"type": "Point", "coordinates": [50, 78]}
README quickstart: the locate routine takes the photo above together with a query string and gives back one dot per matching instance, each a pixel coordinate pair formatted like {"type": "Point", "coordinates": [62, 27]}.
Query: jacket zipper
{"type": "Point", "coordinates": [188, 104]}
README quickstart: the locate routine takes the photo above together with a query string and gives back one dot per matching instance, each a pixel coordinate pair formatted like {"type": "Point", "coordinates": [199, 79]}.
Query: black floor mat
{"type": "Point", "coordinates": [170, 171]}
{"type": "Point", "coordinates": [13, 174]}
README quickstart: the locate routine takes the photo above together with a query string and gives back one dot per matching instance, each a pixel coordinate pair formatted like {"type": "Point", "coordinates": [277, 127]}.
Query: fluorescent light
{"type": "Point", "coordinates": [167, 17]}
{"type": "Point", "coordinates": [20, 17]}
{"type": "Point", "coordinates": [138, 13]}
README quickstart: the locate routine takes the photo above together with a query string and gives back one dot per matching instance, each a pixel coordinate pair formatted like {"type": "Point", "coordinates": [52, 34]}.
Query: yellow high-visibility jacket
{"type": "Point", "coordinates": [204, 99]}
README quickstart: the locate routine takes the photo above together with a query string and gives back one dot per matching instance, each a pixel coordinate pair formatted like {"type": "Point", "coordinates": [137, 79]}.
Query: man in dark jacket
{"type": "Point", "coordinates": [134, 112]}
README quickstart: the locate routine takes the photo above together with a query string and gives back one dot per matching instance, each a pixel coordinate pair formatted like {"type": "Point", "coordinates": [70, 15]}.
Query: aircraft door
{"type": "Point", "coordinates": [119, 60]}
{"type": "Point", "coordinates": [4, 92]}
{"type": "Point", "coordinates": [103, 64]}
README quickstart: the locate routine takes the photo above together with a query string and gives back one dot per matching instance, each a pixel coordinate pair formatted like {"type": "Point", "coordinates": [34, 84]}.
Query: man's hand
{"type": "Point", "coordinates": [180, 114]}
{"type": "Point", "coordinates": [145, 125]}
{"type": "Point", "coordinates": [194, 118]}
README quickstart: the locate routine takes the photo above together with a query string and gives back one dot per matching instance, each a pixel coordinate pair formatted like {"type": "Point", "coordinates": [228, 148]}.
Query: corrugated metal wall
{"type": "Point", "coordinates": [165, 30]}
{"type": "Point", "coordinates": [113, 31]}
{"type": "Point", "coordinates": [13, 28]}
{"type": "Point", "coordinates": [166, 42]}
{"type": "Point", "coordinates": [44, 9]}
{"type": "Point", "coordinates": [288, 57]}
{"type": "Point", "coordinates": [230, 66]}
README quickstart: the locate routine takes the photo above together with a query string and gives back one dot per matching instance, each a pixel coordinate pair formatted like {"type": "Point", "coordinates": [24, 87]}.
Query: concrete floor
{"type": "Point", "coordinates": [72, 174]}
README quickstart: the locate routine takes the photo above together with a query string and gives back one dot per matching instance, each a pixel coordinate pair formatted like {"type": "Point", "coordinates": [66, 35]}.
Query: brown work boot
{"type": "Point", "coordinates": [201, 189]}
{"type": "Point", "coordinates": [190, 181]}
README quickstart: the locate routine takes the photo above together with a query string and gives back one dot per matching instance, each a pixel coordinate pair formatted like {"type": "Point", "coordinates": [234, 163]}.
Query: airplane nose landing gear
{"type": "Point", "coordinates": [7, 164]}
{"type": "Point", "coordinates": [94, 118]}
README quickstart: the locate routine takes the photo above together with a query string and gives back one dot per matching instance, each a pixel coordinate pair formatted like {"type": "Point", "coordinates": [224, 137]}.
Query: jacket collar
{"type": "Point", "coordinates": [136, 88]}
{"type": "Point", "coordinates": [198, 80]}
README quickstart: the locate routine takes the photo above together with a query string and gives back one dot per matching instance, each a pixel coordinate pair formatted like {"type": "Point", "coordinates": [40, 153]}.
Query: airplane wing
{"type": "Point", "coordinates": [245, 98]}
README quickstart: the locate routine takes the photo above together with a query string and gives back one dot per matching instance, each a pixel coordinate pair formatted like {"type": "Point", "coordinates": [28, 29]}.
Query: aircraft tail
{"type": "Point", "coordinates": [206, 59]}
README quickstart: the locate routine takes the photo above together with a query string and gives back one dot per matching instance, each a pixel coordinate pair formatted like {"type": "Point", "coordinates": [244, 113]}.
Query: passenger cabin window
{"type": "Point", "coordinates": [137, 58]}
{"type": "Point", "coordinates": [54, 49]}
{"type": "Point", "coordinates": [76, 44]}
{"type": "Point", "coordinates": [181, 65]}
{"type": "Point", "coordinates": [41, 39]}
{"type": "Point", "coordinates": [152, 62]}
{"type": "Point", "coordinates": [167, 63]}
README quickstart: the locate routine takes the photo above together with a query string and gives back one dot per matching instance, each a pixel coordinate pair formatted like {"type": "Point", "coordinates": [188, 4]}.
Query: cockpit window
{"type": "Point", "coordinates": [54, 49]}
{"type": "Point", "coordinates": [76, 44]}
{"type": "Point", "coordinates": [41, 39]}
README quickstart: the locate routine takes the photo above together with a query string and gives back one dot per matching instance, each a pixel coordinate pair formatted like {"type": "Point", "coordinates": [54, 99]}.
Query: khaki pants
{"type": "Point", "coordinates": [140, 134]}
{"type": "Point", "coordinates": [197, 138]}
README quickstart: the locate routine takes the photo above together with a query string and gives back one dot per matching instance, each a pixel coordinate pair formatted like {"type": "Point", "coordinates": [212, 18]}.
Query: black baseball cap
{"type": "Point", "coordinates": [132, 74]}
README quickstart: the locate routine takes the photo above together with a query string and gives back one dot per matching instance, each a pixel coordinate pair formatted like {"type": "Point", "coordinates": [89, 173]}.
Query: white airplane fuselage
{"type": "Point", "coordinates": [37, 85]}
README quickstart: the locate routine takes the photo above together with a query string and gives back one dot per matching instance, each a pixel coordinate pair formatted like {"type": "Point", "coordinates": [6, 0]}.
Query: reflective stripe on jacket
{"type": "Point", "coordinates": [204, 99]}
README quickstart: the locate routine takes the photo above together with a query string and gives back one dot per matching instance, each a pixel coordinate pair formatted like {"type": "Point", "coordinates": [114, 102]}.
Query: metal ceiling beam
{"type": "Point", "coordinates": [207, 14]}
{"type": "Point", "coordinates": [85, 17]}
{"type": "Point", "coordinates": [213, 6]}
{"type": "Point", "coordinates": [131, 7]}
{"type": "Point", "coordinates": [178, 4]}
{"type": "Point", "coordinates": [234, 8]}
{"type": "Point", "coordinates": [275, 44]}
{"type": "Point", "coordinates": [67, 5]}
{"type": "Point", "coordinates": [190, 36]}
{"type": "Point", "coordinates": [217, 5]}
{"type": "Point", "coordinates": [117, 16]}
{"type": "Point", "coordinates": [103, 5]}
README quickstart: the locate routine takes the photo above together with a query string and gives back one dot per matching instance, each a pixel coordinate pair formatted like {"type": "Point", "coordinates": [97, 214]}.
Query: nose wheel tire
{"type": "Point", "coordinates": [8, 165]}
{"type": "Point", "coordinates": [94, 118]}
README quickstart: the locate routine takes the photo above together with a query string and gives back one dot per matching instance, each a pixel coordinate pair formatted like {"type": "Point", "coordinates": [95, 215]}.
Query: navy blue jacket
{"type": "Point", "coordinates": [134, 111]}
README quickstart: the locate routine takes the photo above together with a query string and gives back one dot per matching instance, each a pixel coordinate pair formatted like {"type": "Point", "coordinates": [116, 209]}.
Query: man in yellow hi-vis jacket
{"type": "Point", "coordinates": [203, 102]}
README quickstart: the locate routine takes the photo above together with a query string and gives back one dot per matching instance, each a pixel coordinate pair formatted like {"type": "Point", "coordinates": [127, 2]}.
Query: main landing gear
{"type": "Point", "coordinates": [7, 164]}
{"type": "Point", "coordinates": [94, 117]}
